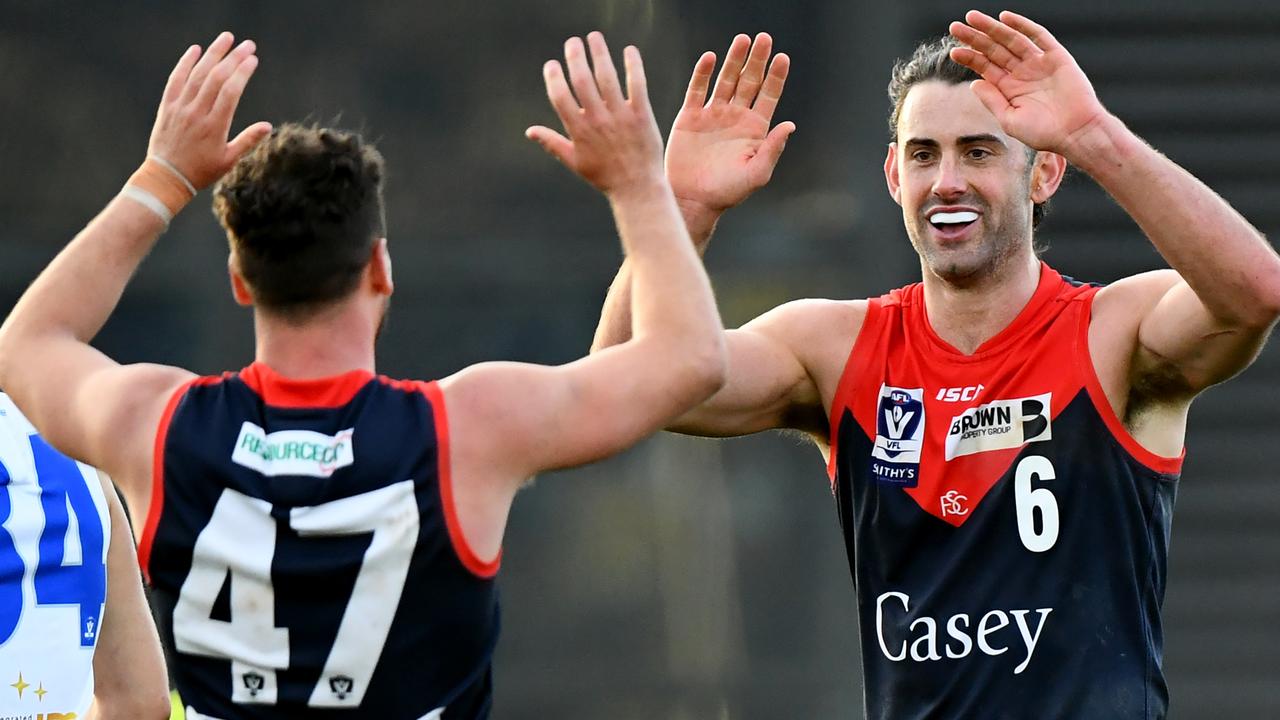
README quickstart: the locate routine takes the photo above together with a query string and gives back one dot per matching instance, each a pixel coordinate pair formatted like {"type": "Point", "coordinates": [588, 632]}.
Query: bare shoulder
{"type": "Point", "coordinates": [820, 333]}
{"type": "Point", "coordinates": [1131, 378]}
{"type": "Point", "coordinates": [1118, 310]}
{"type": "Point", "coordinates": [812, 323]}
{"type": "Point", "coordinates": [1133, 296]}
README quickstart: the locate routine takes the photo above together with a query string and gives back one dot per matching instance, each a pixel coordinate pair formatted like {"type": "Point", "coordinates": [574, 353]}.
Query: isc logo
{"type": "Point", "coordinates": [959, 394]}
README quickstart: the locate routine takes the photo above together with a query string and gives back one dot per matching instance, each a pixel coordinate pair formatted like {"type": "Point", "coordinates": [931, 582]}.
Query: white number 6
{"type": "Point", "coordinates": [1028, 501]}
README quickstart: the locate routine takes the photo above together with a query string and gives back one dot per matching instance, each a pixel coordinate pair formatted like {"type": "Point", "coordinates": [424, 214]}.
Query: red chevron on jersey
{"type": "Point", "coordinates": [946, 426]}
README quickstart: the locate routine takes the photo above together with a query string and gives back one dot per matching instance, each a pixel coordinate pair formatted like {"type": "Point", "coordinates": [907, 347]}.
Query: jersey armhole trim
{"type": "Point", "coordinates": [156, 506]}
{"type": "Point", "coordinates": [466, 555]}
{"type": "Point", "coordinates": [1152, 461]}
{"type": "Point", "coordinates": [845, 386]}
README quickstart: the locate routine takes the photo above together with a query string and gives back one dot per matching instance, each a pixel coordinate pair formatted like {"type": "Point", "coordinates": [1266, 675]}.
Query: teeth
{"type": "Point", "coordinates": [953, 217]}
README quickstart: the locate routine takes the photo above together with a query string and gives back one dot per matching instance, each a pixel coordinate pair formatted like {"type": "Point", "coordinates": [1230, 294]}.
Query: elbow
{"type": "Point", "coordinates": [709, 367]}
{"type": "Point", "coordinates": [1264, 309]}
{"type": "Point", "coordinates": [1271, 298]}
{"type": "Point", "coordinates": [6, 354]}
{"type": "Point", "coordinates": [152, 705]}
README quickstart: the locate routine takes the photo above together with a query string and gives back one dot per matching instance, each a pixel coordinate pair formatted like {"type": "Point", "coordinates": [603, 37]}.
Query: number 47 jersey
{"type": "Point", "coordinates": [303, 551]}
{"type": "Point", "coordinates": [1007, 536]}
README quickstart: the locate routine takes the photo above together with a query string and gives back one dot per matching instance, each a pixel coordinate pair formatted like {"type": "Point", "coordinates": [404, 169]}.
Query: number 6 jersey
{"type": "Point", "coordinates": [1007, 536]}
{"type": "Point", "coordinates": [303, 551]}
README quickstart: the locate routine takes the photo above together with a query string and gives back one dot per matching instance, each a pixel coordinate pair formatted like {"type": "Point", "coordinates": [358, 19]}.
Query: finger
{"type": "Point", "coordinates": [212, 56]}
{"type": "Point", "coordinates": [224, 105]}
{"type": "Point", "coordinates": [991, 96]}
{"type": "Point", "coordinates": [982, 43]}
{"type": "Point", "coordinates": [637, 85]}
{"type": "Point", "coordinates": [979, 63]}
{"type": "Point", "coordinates": [733, 60]}
{"type": "Point", "coordinates": [1035, 32]}
{"type": "Point", "coordinates": [556, 145]}
{"type": "Point", "coordinates": [1011, 39]}
{"type": "Point", "coordinates": [584, 84]}
{"type": "Point", "coordinates": [696, 95]}
{"type": "Point", "coordinates": [248, 139]}
{"type": "Point", "coordinates": [753, 72]}
{"type": "Point", "coordinates": [558, 93]}
{"type": "Point", "coordinates": [771, 149]}
{"type": "Point", "coordinates": [771, 91]}
{"type": "Point", "coordinates": [177, 78]}
{"type": "Point", "coordinates": [606, 74]}
{"type": "Point", "coordinates": [223, 72]}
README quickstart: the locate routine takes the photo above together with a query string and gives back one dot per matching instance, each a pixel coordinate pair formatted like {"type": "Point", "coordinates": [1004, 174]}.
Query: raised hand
{"type": "Point", "coordinates": [613, 142]}
{"type": "Point", "coordinates": [195, 113]}
{"type": "Point", "coordinates": [721, 150]}
{"type": "Point", "coordinates": [1029, 81]}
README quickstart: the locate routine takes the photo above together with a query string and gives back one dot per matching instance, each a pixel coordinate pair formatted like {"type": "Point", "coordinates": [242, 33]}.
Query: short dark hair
{"type": "Point", "coordinates": [932, 61]}
{"type": "Point", "coordinates": [302, 211]}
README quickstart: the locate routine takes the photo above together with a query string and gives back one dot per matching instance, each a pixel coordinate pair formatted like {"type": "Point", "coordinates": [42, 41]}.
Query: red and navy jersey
{"type": "Point", "coordinates": [304, 554]}
{"type": "Point", "coordinates": [1007, 536]}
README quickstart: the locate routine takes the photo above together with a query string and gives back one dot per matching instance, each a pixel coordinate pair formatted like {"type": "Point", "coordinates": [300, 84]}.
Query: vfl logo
{"type": "Point", "coordinates": [899, 436]}
{"type": "Point", "coordinates": [341, 686]}
{"type": "Point", "coordinates": [253, 682]}
{"type": "Point", "coordinates": [1000, 425]}
{"type": "Point", "coordinates": [953, 503]}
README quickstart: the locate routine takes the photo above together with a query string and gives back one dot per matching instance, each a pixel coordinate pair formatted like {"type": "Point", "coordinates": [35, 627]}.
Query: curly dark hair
{"type": "Point", "coordinates": [932, 61]}
{"type": "Point", "coordinates": [302, 212]}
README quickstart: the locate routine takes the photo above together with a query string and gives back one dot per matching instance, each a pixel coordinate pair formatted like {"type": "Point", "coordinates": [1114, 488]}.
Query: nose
{"type": "Point", "coordinates": [950, 181]}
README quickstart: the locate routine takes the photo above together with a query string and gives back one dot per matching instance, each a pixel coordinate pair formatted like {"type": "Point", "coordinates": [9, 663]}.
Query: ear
{"type": "Point", "coordinates": [891, 173]}
{"type": "Point", "coordinates": [380, 268]}
{"type": "Point", "coordinates": [1047, 175]}
{"type": "Point", "coordinates": [239, 288]}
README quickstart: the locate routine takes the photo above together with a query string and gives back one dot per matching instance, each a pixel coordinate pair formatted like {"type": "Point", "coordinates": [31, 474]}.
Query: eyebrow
{"type": "Point", "coordinates": [962, 140]}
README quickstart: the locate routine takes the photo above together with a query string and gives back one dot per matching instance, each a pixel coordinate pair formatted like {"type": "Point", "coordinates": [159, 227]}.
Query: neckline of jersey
{"type": "Point", "coordinates": [1046, 289]}
{"type": "Point", "coordinates": [277, 390]}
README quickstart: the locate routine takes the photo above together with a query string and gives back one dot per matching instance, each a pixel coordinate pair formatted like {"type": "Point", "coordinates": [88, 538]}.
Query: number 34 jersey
{"type": "Point", "coordinates": [55, 530]}
{"type": "Point", "coordinates": [1007, 536]}
{"type": "Point", "coordinates": [304, 553]}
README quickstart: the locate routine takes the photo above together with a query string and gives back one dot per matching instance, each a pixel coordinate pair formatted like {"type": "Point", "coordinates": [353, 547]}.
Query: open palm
{"type": "Point", "coordinates": [1029, 81]}
{"type": "Point", "coordinates": [721, 150]}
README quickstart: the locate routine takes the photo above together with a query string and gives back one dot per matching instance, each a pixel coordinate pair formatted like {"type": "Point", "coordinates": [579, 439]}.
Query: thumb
{"type": "Point", "coordinates": [991, 96]}
{"type": "Point", "coordinates": [771, 149]}
{"type": "Point", "coordinates": [556, 145]}
{"type": "Point", "coordinates": [247, 139]}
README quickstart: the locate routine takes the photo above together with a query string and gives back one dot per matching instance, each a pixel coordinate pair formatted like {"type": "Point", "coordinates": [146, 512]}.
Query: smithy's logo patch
{"type": "Point", "coordinates": [1000, 425]}
{"type": "Point", "coordinates": [899, 435]}
{"type": "Point", "coordinates": [293, 452]}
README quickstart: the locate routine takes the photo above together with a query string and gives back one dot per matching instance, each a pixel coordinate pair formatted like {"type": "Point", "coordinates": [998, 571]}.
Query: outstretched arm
{"type": "Point", "coordinates": [510, 420]}
{"type": "Point", "coordinates": [1206, 325]}
{"type": "Point", "coordinates": [82, 401]}
{"type": "Point", "coordinates": [721, 150]}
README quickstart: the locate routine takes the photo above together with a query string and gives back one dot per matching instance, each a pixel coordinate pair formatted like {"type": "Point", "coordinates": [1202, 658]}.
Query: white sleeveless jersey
{"type": "Point", "coordinates": [54, 533]}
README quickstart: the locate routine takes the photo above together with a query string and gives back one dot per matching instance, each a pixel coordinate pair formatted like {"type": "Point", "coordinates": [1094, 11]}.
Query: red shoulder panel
{"type": "Point", "coordinates": [468, 557]}
{"type": "Point", "coordinates": [156, 506]}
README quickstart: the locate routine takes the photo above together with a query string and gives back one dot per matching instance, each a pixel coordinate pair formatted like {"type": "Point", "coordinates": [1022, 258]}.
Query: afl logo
{"type": "Point", "coordinates": [899, 435]}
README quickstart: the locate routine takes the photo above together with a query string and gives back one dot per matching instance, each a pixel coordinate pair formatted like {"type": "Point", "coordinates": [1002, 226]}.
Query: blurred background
{"type": "Point", "coordinates": [686, 578]}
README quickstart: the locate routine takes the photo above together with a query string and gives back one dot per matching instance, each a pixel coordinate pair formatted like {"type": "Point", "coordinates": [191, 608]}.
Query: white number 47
{"type": "Point", "coordinates": [240, 539]}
